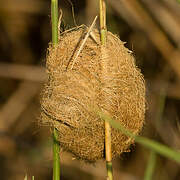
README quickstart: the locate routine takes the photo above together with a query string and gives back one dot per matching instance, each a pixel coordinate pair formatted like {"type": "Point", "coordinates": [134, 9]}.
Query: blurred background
{"type": "Point", "coordinates": [151, 29]}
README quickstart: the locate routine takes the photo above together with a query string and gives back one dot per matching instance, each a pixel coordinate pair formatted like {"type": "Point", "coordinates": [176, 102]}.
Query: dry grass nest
{"type": "Point", "coordinates": [102, 77]}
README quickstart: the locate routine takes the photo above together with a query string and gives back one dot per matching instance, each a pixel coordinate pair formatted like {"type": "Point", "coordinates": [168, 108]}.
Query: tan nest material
{"type": "Point", "coordinates": [101, 78]}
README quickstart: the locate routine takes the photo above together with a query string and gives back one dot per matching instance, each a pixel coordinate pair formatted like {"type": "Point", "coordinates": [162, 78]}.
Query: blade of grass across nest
{"type": "Point", "coordinates": [151, 144]}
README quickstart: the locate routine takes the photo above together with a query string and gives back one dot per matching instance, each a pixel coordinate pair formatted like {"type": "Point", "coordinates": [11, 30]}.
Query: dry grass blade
{"type": "Point", "coordinates": [166, 18]}
{"type": "Point", "coordinates": [138, 17]}
{"type": "Point", "coordinates": [16, 104]}
{"type": "Point", "coordinates": [23, 72]}
{"type": "Point", "coordinates": [83, 42]}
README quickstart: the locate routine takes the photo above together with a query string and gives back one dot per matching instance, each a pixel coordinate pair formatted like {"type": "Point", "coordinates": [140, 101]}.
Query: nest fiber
{"type": "Point", "coordinates": [100, 78]}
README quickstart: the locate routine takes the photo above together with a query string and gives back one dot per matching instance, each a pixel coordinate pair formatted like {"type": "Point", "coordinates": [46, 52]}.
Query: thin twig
{"type": "Point", "coordinates": [73, 14]}
{"type": "Point", "coordinates": [59, 21]}
{"type": "Point", "coordinates": [84, 41]}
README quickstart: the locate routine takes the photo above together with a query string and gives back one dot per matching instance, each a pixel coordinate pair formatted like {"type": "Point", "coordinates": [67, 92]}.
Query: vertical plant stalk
{"type": "Point", "coordinates": [152, 158]}
{"type": "Point", "coordinates": [56, 159]}
{"type": "Point", "coordinates": [150, 166]}
{"type": "Point", "coordinates": [56, 148]}
{"type": "Point", "coordinates": [54, 20]}
{"type": "Point", "coordinates": [108, 153]}
{"type": "Point", "coordinates": [103, 29]}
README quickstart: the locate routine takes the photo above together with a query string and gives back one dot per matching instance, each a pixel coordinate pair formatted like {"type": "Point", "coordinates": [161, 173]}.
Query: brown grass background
{"type": "Point", "coordinates": [150, 28]}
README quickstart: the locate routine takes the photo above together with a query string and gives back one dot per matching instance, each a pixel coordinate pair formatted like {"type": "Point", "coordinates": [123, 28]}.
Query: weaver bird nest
{"type": "Point", "coordinates": [100, 78]}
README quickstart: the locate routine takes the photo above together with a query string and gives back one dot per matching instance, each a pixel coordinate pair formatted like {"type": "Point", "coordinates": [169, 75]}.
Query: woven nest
{"type": "Point", "coordinates": [102, 77]}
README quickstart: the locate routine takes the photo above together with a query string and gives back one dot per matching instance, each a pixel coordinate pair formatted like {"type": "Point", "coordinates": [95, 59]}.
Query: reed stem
{"type": "Point", "coordinates": [108, 153]}
{"type": "Point", "coordinates": [103, 29]}
{"type": "Point", "coordinates": [151, 166]}
{"type": "Point", "coordinates": [54, 19]}
{"type": "Point", "coordinates": [56, 147]}
{"type": "Point", "coordinates": [56, 159]}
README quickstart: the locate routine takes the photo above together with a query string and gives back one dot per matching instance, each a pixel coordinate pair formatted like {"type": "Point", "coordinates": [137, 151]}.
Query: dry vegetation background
{"type": "Point", "coordinates": [151, 29]}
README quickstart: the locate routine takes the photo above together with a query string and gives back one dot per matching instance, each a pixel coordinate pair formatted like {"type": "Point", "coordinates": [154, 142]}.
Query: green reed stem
{"type": "Point", "coordinates": [56, 159]}
{"type": "Point", "coordinates": [146, 142]}
{"type": "Point", "coordinates": [109, 170]}
{"type": "Point", "coordinates": [152, 158]}
{"type": "Point", "coordinates": [150, 166]}
{"type": "Point", "coordinates": [54, 19]}
{"type": "Point", "coordinates": [56, 147]}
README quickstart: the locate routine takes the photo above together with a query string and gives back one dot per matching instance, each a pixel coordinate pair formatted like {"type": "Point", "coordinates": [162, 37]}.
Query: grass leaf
{"type": "Point", "coordinates": [146, 142]}
{"type": "Point", "coordinates": [150, 166]}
